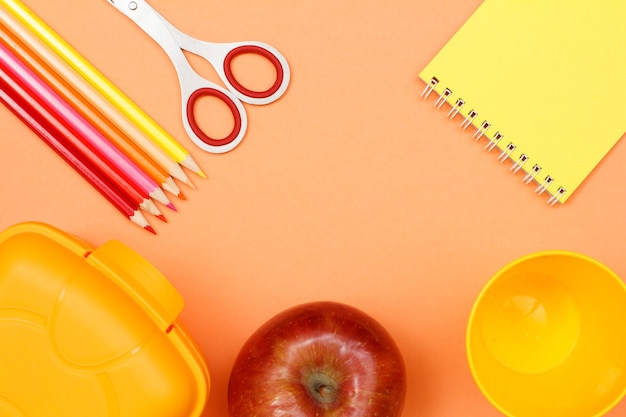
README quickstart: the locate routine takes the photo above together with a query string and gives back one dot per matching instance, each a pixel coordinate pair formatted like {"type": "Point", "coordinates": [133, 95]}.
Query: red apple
{"type": "Point", "coordinates": [321, 359]}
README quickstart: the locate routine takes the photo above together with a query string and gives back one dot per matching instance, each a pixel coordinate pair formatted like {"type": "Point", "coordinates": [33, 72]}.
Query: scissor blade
{"type": "Point", "coordinates": [126, 6]}
{"type": "Point", "coordinates": [154, 26]}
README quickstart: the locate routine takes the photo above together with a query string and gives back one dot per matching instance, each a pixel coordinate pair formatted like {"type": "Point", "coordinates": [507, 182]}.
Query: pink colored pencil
{"type": "Point", "coordinates": [76, 122]}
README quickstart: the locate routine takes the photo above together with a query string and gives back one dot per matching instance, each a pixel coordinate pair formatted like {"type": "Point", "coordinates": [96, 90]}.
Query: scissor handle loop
{"type": "Point", "coordinates": [257, 50]}
{"type": "Point", "coordinates": [235, 134]}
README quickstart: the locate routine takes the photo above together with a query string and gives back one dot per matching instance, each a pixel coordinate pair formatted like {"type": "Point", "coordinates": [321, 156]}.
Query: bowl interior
{"type": "Point", "coordinates": [547, 337]}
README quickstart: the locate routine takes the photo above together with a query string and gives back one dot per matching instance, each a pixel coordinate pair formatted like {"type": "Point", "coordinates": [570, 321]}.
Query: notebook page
{"type": "Point", "coordinates": [550, 76]}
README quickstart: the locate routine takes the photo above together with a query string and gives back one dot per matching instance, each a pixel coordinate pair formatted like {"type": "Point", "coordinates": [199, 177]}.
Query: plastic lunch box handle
{"type": "Point", "coordinates": [140, 279]}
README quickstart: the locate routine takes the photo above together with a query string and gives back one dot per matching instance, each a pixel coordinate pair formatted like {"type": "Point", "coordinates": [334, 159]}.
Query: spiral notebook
{"type": "Point", "coordinates": [541, 81]}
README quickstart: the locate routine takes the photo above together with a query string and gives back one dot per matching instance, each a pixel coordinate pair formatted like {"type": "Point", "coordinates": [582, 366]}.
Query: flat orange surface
{"type": "Point", "coordinates": [349, 188]}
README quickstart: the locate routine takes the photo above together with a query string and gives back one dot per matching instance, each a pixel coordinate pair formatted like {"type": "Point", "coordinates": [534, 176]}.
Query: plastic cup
{"type": "Point", "coordinates": [547, 337]}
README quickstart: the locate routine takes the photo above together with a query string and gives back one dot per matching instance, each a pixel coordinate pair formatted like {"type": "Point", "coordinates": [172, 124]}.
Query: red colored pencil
{"type": "Point", "coordinates": [59, 138]}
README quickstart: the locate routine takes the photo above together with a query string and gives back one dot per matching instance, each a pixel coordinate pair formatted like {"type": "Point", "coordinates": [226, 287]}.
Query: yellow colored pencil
{"type": "Point", "coordinates": [102, 84]}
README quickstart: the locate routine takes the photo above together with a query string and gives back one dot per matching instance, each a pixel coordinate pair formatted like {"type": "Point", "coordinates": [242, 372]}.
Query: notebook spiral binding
{"type": "Point", "coordinates": [531, 175]}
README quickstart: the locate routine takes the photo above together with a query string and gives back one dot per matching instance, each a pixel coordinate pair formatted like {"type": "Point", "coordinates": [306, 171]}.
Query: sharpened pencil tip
{"type": "Point", "coordinates": [189, 163]}
{"type": "Point", "coordinates": [161, 217]}
{"type": "Point", "coordinates": [182, 196]}
{"type": "Point", "coordinates": [171, 206]}
{"type": "Point", "coordinates": [150, 229]}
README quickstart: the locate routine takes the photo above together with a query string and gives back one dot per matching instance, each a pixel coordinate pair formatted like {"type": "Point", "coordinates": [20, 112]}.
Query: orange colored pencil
{"type": "Point", "coordinates": [88, 111]}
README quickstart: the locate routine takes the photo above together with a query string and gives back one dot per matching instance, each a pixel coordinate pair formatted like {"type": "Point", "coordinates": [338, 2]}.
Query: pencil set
{"type": "Point", "coordinates": [50, 87]}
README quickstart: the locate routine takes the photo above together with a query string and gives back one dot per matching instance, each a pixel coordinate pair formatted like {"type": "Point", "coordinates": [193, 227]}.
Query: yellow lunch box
{"type": "Point", "coordinates": [91, 332]}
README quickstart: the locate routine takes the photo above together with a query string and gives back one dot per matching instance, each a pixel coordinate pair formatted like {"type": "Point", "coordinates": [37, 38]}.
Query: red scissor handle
{"type": "Point", "coordinates": [193, 124]}
{"type": "Point", "coordinates": [257, 50]}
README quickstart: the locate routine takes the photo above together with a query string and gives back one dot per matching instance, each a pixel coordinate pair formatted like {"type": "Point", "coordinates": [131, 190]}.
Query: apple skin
{"type": "Point", "coordinates": [321, 359]}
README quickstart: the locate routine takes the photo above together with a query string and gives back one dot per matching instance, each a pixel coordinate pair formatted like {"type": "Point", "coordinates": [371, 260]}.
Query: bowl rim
{"type": "Point", "coordinates": [472, 318]}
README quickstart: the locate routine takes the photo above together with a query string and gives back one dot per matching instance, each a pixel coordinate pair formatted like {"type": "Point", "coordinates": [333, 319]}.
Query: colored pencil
{"type": "Point", "coordinates": [12, 65]}
{"type": "Point", "coordinates": [74, 144]}
{"type": "Point", "coordinates": [88, 111]}
{"type": "Point", "coordinates": [102, 84]}
{"type": "Point", "coordinates": [47, 133]}
{"type": "Point", "coordinates": [86, 90]}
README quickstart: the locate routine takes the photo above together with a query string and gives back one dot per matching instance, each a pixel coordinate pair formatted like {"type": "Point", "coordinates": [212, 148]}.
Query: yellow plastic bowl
{"type": "Point", "coordinates": [547, 337]}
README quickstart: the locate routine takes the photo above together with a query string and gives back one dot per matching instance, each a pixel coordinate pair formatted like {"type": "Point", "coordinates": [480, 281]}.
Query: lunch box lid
{"type": "Point", "coordinates": [88, 331]}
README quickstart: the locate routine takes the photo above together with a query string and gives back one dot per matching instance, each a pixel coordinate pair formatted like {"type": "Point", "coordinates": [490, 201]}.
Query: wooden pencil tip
{"type": "Point", "coordinates": [171, 206]}
{"type": "Point", "coordinates": [190, 184]}
{"type": "Point", "coordinates": [182, 196]}
{"type": "Point", "coordinates": [161, 217]}
{"type": "Point", "coordinates": [201, 173]}
{"type": "Point", "coordinates": [150, 229]}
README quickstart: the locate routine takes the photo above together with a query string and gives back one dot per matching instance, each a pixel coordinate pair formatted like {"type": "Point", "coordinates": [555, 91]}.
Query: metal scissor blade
{"type": "Point", "coordinates": [186, 42]}
{"type": "Point", "coordinates": [124, 5]}
{"type": "Point", "coordinates": [133, 10]}
{"type": "Point", "coordinates": [154, 25]}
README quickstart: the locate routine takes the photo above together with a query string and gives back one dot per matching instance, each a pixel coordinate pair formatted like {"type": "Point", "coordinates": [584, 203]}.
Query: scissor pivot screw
{"type": "Point", "coordinates": [132, 5]}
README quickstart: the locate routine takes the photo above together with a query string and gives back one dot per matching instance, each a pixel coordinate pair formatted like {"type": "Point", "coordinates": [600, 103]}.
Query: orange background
{"type": "Point", "coordinates": [349, 188]}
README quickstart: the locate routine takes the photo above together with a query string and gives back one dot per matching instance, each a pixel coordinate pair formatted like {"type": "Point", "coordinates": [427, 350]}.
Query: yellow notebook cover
{"type": "Point", "coordinates": [543, 81]}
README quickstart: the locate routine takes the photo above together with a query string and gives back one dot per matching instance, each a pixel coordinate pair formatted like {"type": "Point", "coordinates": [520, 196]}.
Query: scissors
{"type": "Point", "coordinates": [193, 86]}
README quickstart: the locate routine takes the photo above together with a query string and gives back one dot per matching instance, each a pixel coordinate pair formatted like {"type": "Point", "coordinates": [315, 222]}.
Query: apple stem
{"type": "Point", "coordinates": [322, 387]}
{"type": "Point", "coordinates": [325, 390]}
